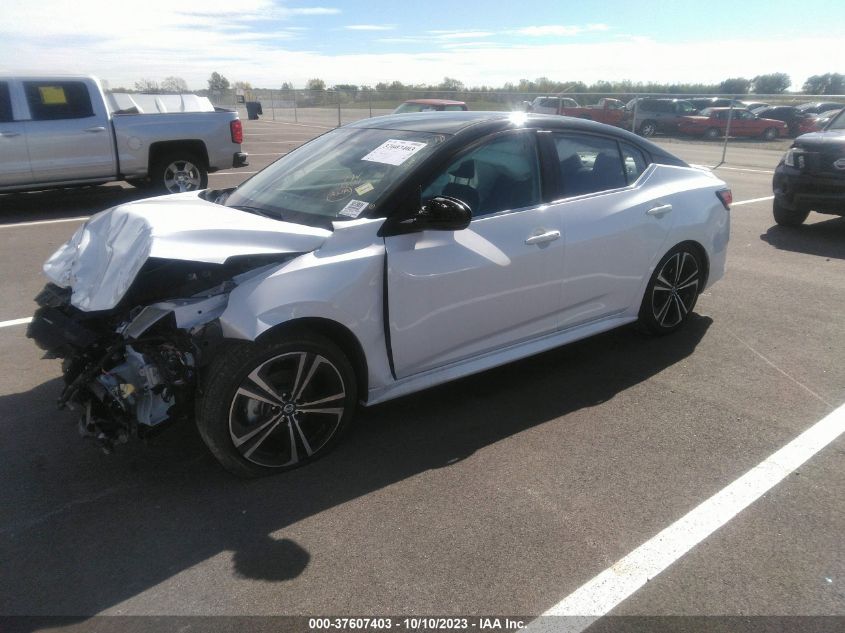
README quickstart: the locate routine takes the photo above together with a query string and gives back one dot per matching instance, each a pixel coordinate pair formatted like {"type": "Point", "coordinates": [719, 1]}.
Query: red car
{"type": "Point", "coordinates": [430, 105]}
{"type": "Point", "coordinates": [713, 123]}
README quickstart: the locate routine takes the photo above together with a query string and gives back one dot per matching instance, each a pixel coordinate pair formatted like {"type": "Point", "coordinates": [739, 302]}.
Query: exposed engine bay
{"type": "Point", "coordinates": [131, 370]}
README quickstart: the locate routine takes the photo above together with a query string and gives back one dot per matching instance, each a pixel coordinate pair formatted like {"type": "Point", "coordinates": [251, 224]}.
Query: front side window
{"type": "Point", "coordinates": [5, 103]}
{"type": "Point", "coordinates": [56, 100]}
{"type": "Point", "coordinates": [500, 175]}
{"type": "Point", "coordinates": [341, 175]}
{"type": "Point", "coordinates": [590, 164]}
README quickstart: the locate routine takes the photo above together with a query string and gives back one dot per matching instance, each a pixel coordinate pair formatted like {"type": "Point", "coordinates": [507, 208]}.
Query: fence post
{"type": "Point", "coordinates": [634, 119]}
{"type": "Point", "coordinates": [295, 116]}
{"type": "Point", "coordinates": [370, 102]}
{"type": "Point", "coordinates": [337, 94]}
{"type": "Point", "coordinates": [727, 132]}
{"type": "Point", "coordinates": [273, 105]}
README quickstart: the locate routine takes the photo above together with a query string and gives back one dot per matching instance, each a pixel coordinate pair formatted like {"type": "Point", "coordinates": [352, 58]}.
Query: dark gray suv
{"type": "Point", "coordinates": [657, 115]}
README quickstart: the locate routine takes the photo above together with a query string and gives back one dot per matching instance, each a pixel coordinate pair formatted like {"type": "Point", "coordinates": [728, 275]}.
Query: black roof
{"type": "Point", "coordinates": [477, 123]}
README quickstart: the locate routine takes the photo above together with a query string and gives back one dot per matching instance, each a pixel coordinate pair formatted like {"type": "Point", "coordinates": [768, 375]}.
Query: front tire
{"type": "Point", "coordinates": [267, 408]}
{"type": "Point", "coordinates": [712, 133]}
{"type": "Point", "coordinates": [178, 172]}
{"type": "Point", "coordinates": [788, 217]}
{"type": "Point", "coordinates": [648, 128]}
{"type": "Point", "coordinates": [770, 134]}
{"type": "Point", "coordinates": [673, 290]}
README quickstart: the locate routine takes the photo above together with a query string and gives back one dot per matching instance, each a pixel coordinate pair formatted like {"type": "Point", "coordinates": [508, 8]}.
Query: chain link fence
{"type": "Point", "coordinates": [632, 111]}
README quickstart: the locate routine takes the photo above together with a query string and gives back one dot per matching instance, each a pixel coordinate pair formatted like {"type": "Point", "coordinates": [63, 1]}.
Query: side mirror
{"type": "Point", "coordinates": [443, 213]}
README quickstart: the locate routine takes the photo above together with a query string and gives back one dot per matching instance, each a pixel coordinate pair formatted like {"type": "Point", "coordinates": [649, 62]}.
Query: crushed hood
{"type": "Point", "coordinates": [104, 256]}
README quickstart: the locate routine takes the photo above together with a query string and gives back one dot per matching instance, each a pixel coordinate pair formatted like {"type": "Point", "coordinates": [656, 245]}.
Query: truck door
{"type": "Point", "coordinates": [14, 159]}
{"type": "Point", "coordinates": [68, 133]}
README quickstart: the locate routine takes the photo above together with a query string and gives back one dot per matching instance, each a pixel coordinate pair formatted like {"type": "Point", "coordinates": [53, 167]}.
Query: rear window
{"type": "Point", "coordinates": [50, 101]}
{"type": "Point", "coordinates": [5, 103]}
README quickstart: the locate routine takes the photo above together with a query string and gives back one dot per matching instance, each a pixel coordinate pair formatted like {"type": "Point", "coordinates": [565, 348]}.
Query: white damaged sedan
{"type": "Point", "coordinates": [381, 258]}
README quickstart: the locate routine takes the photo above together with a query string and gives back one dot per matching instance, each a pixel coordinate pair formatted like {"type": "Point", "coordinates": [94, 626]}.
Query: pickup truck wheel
{"type": "Point", "coordinates": [770, 134]}
{"type": "Point", "coordinates": [267, 408]}
{"type": "Point", "coordinates": [712, 133]}
{"type": "Point", "coordinates": [788, 217]}
{"type": "Point", "coordinates": [179, 172]}
{"type": "Point", "coordinates": [648, 128]}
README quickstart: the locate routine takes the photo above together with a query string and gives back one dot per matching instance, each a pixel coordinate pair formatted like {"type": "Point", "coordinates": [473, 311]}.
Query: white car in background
{"type": "Point", "coordinates": [382, 258]}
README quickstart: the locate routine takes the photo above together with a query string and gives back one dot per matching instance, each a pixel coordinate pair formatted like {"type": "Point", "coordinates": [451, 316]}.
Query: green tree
{"type": "Point", "coordinates": [771, 84]}
{"type": "Point", "coordinates": [242, 85]}
{"type": "Point", "coordinates": [827, 84]}
{"type": "Point", "coordinates": [451, 85]}
{"type": "Point", "coordinates": [315, 84]}
{"type": "Point", "coordinates": [217, 83]}
{"type": "Point", "coordinates": [735, 86]}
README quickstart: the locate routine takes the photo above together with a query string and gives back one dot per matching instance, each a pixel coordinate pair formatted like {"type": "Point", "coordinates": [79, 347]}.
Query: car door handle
{"type": "Point", "coordinates": [9, 134]}
{"type": "Point", "coordinates": [95, 129]}
{"type": "Point", "coordinates": [660, 209]}
{"type": "Point", "coordinates": [543, 238]}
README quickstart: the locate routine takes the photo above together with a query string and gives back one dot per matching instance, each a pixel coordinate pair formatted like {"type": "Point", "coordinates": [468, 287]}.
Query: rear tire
{"type": "Point", "coordinates": [177, 172]}
{"type": "Point", "coordinates": [712, 133]}
{"type": "Point", "coordinates": [270, 407]}
{"type": "Point", "coordinates": [785, 216]}
{"type": "Point", "coordinates": [673, 290]}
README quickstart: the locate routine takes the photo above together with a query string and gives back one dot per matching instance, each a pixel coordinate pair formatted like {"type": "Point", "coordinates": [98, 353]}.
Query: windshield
{"type": "Point", "coordinates": [838, 123]}
{"type": "Point", "coordinates": [341, 175]}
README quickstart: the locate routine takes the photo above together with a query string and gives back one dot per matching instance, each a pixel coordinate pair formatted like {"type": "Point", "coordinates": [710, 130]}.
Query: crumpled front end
{"type": "Point", "coordinates": [134, 303]}
{"type": "Point", "coordinates": [128, 374]}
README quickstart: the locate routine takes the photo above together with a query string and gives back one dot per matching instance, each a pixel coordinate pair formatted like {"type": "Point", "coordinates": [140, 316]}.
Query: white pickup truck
{"type": "Point", "coordinates": [59, 131]}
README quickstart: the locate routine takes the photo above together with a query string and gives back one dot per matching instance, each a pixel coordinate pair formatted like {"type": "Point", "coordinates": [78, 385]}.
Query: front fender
{"type": "Point", "coordinates": [341, 282]}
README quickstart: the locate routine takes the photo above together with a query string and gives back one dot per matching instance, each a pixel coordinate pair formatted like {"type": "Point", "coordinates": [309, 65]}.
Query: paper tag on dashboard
{"type": "Point", "coordinates": [393, 152]}
{"type": "Point", "coordinates": [367, 187]}
{"type": "Point", "coordinates": [354, 208]}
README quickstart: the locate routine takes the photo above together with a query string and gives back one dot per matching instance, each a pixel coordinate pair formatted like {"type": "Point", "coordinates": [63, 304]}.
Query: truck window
{"type": "Point", "coordinates": [5, 103]}
{"type": "Point", "coordinates": [49, 101]}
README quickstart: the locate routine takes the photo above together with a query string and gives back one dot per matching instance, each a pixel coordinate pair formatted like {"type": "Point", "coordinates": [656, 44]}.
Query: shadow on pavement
{"type": "Point", "coordinates": [825, 239]}
{"type": "Point", "coordinates": [82, 532]}
{"type": "Point", "coordinates": [54, 204]}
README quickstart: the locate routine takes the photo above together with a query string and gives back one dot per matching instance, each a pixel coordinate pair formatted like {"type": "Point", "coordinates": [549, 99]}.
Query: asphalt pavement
{"type": "Point", "coordinates": [498, 494]}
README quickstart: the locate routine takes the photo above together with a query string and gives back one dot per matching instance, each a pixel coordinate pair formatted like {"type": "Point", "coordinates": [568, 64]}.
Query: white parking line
{"type": "Point", "coordinates": [15, 322]}
{"type": "Point", "coordinates": [753, 171]}
{"type": "Point", "coordinates": [607, 590]}
{"type": "Point", "coordinates": [736, 204]}
{"type": "Point", "coordinates": [37, 222]}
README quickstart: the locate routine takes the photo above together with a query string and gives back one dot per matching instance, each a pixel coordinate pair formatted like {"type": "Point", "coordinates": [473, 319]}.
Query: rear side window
{"type": "Point", "coordinates": [50, 101]}
{"type": "Point", "coordinates": [5, 103]}
{"type": "Point", "coordinates": [633, 161]}
{"type": "Point", "coordinates": [454, 108]}
{"type": "Point", "coordinates": [590, 164]}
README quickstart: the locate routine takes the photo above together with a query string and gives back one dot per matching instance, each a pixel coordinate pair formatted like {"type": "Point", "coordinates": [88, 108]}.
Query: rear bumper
{"type": "Point", "coordinates": [794, 189]}
{"type": "Point", "coordinates": [240, 159]}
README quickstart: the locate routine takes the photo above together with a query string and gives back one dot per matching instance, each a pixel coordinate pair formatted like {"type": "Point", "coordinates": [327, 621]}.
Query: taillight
{"type": "Point", "coordinates": [237, 129]}
{"type": "Point", "coordinates": [726, 196]}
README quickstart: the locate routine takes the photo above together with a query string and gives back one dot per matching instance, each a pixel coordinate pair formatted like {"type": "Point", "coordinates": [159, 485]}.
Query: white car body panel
{"type": "Point", "coordinates": [102, 259]}
{"type": "Point", "coordinates": [457, 294]}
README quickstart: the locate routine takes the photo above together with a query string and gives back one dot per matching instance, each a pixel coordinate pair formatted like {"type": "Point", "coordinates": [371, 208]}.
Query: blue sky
{"type": "Point", "coordinates": [267, 42]}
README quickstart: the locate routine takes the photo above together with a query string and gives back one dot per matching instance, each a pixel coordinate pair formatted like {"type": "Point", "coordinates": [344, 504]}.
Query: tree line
{"type": "Point", "coordinates": [772, 83]}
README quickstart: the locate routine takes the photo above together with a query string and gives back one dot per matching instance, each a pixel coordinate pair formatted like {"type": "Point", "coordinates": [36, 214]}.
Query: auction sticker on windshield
{"type": "Point", "coordinates": [353, 208]}
{"type": "Point", "coordinates": [393, 152]}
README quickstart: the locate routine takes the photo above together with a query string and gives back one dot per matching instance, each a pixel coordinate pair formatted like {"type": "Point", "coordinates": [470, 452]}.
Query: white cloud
{"type": "Point", "coordinates": [370, 27]}
{"type": "Point", "coordinates": [460, 35]}
{"type": "Point", "coordinates": [559, 30]}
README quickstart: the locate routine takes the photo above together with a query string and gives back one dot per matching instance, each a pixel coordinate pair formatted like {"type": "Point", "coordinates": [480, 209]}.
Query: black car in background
{"type": "Point", "coordinates": [817, 107]}
{"type": "Point", "coordinates": [798, 122]}
{"type": "Point", "coordinates": [811, 175]}
{"type": "Point", "coordinates": [715, 102]}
